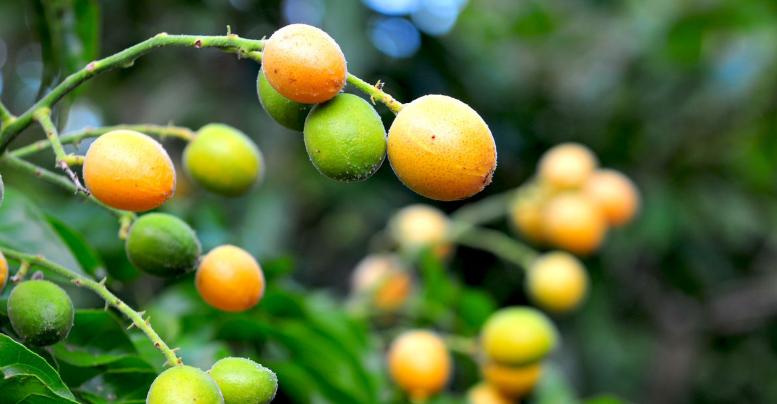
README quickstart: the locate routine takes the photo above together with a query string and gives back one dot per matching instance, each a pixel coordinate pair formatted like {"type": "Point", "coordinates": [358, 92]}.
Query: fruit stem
{"type": "Point", "coordinates": [124, 58]}
{"type": "Point", "coordinates": [376, 93]}
{"type": "Point", "coordinates": [463, 345]}
{"type": "Point", "coordinates": [6, 117]}
{"type": "Point", "coordinates": [102, 291]}
{"type": "Point", "coordinates": [488, 209]}
{"type": "Point", "coordinates": [495, 242]}
{"type": "Point", "coordinates": [161, 131]}
{"type": "Point", "coordinates": [56, 179]}
{"type": "Point", "coordinates": [24, 267]}
{"type": "Point", "coordinates": [43, 117]}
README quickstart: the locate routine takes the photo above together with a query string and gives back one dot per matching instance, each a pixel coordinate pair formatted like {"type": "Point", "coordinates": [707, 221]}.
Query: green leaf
{"type": "Point", "coordinates": [26, 375]}
{"type": "Point", "coordinates": [86, 255]}
{"type": "Point", "coordinates": [554, 388]}
{"type": "Point", "coordinates": [97, 338]}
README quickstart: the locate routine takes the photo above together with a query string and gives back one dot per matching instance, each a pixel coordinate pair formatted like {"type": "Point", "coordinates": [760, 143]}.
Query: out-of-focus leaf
{"type": "Point", "coordinates": [474, 308]}
{"type": "Point", "coordinates": [26, 374]}
{"type": "Point", "coordinates": [86, 255]}
{"type": "Point", "coordinates": [554, 388]}
{"type": "Point", "coordinates": [605, 399]}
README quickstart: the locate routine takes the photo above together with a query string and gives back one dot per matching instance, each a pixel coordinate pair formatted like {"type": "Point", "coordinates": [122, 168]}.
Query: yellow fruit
{"type": "Point", "coordinates": [512, 381]}
{"type": "Point", "coordinates": [304, 64]}
{"type": "Point", "coordinates": [567, 165]}
{"type": "Point", "coordinates": [384, 279]}
{"type": "Point", "coordinates": [441, 148]}
{"type": "Point", "coordinates": [419, 226]}
{"type": "Point", "coordinates": [3, 271]}
{"type": "Point", "coordinates": [419, 363]}
{"type": "Point", "coordinates": [615, 194]}
{"type": "Point", "coordinates": [517, 336]}
{"type": "Point", "coordinates": [526, 212]}
{"type": "Point", "coordinates": [128, 170]}
{"type": "Point", "coordinates": [573, 222]}
{"type": "Point", "coordinates": [557, 281]}
{"type": "Point", "coordinates": [230, 279]}
{"type": "Point", "coordinates": [484, 393]}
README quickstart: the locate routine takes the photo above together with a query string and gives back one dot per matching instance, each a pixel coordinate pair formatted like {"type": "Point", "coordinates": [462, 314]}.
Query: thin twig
{"type": "Point", "coordinates": [43, 116]}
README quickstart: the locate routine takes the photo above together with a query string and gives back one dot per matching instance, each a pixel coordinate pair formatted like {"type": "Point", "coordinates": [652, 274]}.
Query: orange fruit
{"type": "Point", "coordinates": [567, 165]}
{"type": "Point", "coordinates": [573, 222]}
{"type": "Point", "coordinates": [304, 64]}
{"type": "Point", "coordinates": [512, 381]}
{"type": "Point", "coordinates": [419, 363]}
{"type": "Point", "coordinates": [557, 281]}
{"type": "Point", "coordinates": [230, 279]}
{"type": "Point", "coordinates": [441, 148]}
{"type": "Point", "coordinates": [484, 393]}
{"type": "Point", "coordinates": [384, 279]}
{"type": "Point", "coordinates": [128, 170]}
{"type": "Point", "coordinates": [3, 271]}
{"type": "Point", "coordinates": [615, 194]}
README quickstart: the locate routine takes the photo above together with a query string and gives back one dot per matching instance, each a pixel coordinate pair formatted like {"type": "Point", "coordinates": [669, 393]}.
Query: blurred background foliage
{"type": "Point", "coordinates": [680, 95]}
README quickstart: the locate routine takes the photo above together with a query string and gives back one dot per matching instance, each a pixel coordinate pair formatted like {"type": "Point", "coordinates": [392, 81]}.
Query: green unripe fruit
{"type": "Point", "coordinates": [286, 112]}
{"type": "Point", "coordinates": [162, 245]}
{"type": "Point", "coordinates": [223, 160]}
{"type": "Point", "coordinates": [345, 138]}
{"type": "Point", "coordinates": [243, 381]}
{"type": "Point", "coordinates": [41, 313]}
{"type": "Point", "coordinates": [517, 336]}
{"type": "Point", "coordinates": [184, 385]}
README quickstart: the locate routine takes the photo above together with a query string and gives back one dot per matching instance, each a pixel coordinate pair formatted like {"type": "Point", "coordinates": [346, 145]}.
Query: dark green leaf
{"type": "Point", "coordinates": [97, 338]}
{"type": "Point", "coordinates": [26, 374]}
{"type": "Point", "coordinates": [86, 255]}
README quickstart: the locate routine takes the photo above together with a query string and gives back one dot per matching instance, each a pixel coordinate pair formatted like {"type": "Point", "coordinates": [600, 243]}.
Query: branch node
{"type": "Point", "coordinates": [198, 44]}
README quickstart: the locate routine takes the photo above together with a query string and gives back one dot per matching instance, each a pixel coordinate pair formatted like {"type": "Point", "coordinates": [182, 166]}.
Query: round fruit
{"type": "Point", "coordinates": [230, 279]}
{"type": "Point", "coordinates": [484, 393]}
{"type": "Point", "coordinates": [512, 381]}
{"type": "Point", "coordinates": [384, 280]}
{"type": "Point", "coordinates": [615, 194]}
{"type": "Point", "coordinates": [243, 381]}
{"type": "Point", "coordinates": [419, 363]}
{"type": "Point", "coordinates": [345, 138]}
{"type": "Point", "coordinates": [573, 222]}
{"type": "Point", "coordinates": [3, 271]}
{"type": "Point", "coordinates": [557, 281]}
{"type": "Point", "coordinates": [128, 170]}
{"type": "Point", "coordinates": [223, 160]}
{"type": "Point", "coordinates": [286, 112]}
{"type": "Point", "coordinates": [304, 64]}
{"type": "Point", "coordinates": [517, 336]}
{"type": "Point", "coordinates": [567, 165]}
{"type": "Point", "coordinates": [421, 226]}
{"type": "Point", "coordinates": [526, 212]}
{"type": "Point", "coordinates": [184, 385]}
{"type": "Point", "coordinates": [41, 312]}
{"type": "Point", "coordinates": [162, 245]}
{"type": "Point", "coordinates": [441, 148]}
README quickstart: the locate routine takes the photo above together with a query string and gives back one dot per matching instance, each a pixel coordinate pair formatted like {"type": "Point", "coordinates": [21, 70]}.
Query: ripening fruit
{"type": "Point", "coordinates": [230, 279]}
{"type": "Point", "coordinates": [573, 222]}
{"type": "Point", "coordinates": [419, 363]}
{"type": "Point", "coordinates": [41, 313]}
{"type": "Point", "coordinates": [304, 64]}
{"type": "Point", "coordinates": [484, 393]}
{"type": "Point", "coordinates": [615, 195]}
{"type": "Point", "coordinates": [384, 279]}
{"type": "Point", "coordinates": [441, 148]}
{"type": "Point", "coordinates": [517, 336]}
{"type": "Point", "coordinates": [162, 245]}
{"type": "Point", "coordinates": [286, 112]}
{"type": "Point", "coordinates": [184, 385]}
{"type": "Point", "coordinates": [345, 138]}
{"type": "Point", "coordinates": [223, 160]}
{"type": "Point", "coordinates": [526, 212]}
{"type": "Point", "coordinates": [128, 170]}
{"type": "Point", "coordinates": [419, 226]}
{"type": "Point", "coordinates": [512, 381]}
{"type": "Point", "coordinates": [567, 165]}
{"type": "Point", "coordinates": [557, 281]}
{"type": "Point", "coordinates": [243, 381]}
{"type": "Point", "coordinates": [3, 271]}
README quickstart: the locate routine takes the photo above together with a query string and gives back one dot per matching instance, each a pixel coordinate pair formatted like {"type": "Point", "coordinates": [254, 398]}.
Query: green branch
{"type": "Point", "coordinates": [496, 243]}
{"type": "Point", "coordinates": [161, 131]}
{"type": "Point", "coordinates": [102, 291]}
{"type": "Point", "coordinates": [43, 116]}
{"type": "Point", "coordinates": [486, 210]}
{"type": "Point", "coordinates": [376, 93]}
{"type": "Point", "coordinates": [6, 117]}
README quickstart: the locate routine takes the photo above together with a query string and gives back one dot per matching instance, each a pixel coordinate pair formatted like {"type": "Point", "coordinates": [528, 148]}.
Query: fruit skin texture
{"type": "Point", "coordinates": [517, 336]}
{"type": "Point", "coordinates": [243, 381]}
{"type": "Point", "coordinates": [345, 138]}
{"type": "Point", "coordinates": [223, 160]}
{"type": "Point", "coordinates": [286, 112]}
{"type": "Point", "coordinates": [573, 222]}
{"type": "Point", "coordinates": [419, 363]}
{"type": "Point", "coordinates": [3, 272]}
{"type": "Point", "coordinates": [441, 148]}
{"type": "Point", "coordinates": [383, 279]}
{"type": "Point", "coordinates": [557, 281]}
{"type": "Point", "coordinates": [162, 245]}
{"type": "Point", "coordinates": [512, 381]}
{"type": "Point", "coordinates": [567, 165]}
{"type": "Point", "coordinates": [230, 279]}
{"type": "Point", "coordinates": [484, 393]}
{"type": "Point", "coordinates": [304, 64]}
{"type": "Point", "coordinates": [184, 385]}
{"type": "Point", "coordinates": [41, 313]}
{"type": "Point", "coordinates": [615, 194]}
{"type": "Point", "coordinates": [128, 170]}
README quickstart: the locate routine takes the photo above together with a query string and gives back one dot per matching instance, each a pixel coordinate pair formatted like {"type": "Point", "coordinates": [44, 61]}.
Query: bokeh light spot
{"type": "Point", "coordinates": [395, 36]}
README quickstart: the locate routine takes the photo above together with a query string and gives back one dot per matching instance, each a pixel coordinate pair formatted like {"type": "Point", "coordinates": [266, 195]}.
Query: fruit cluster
{"type": "Point", "coordinates": [572, 203]}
